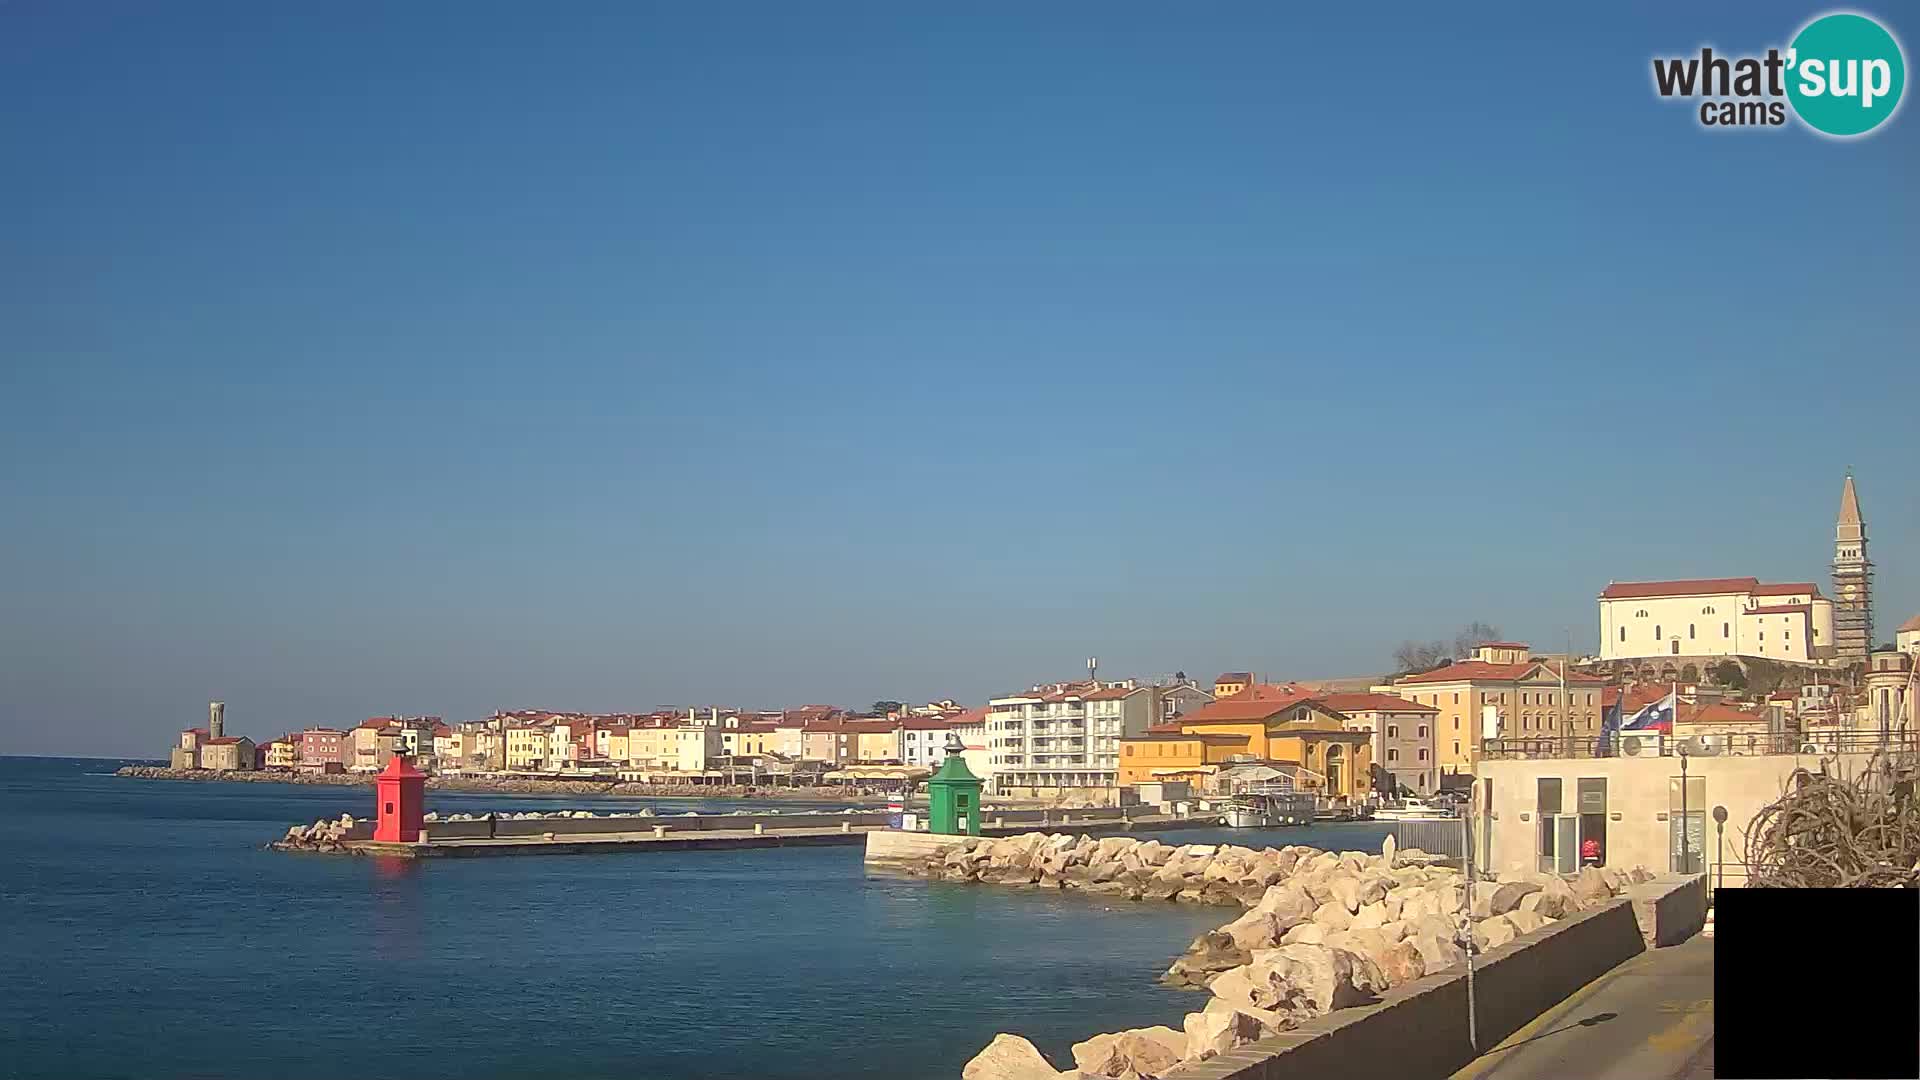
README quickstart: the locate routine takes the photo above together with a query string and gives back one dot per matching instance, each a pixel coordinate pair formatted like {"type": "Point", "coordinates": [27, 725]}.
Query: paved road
{"type": "Point", "coordinates": [1651, 1018]}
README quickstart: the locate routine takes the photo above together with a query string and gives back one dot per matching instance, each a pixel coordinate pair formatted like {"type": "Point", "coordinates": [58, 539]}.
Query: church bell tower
{"type": "Point", "coordinates": [1852, 581]}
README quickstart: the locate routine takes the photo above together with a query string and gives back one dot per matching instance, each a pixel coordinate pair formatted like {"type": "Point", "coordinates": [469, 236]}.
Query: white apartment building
{"type": "Point", "coordinates": [1715, 617]}
{"type": "Point", "coordinates": [1065, 737]}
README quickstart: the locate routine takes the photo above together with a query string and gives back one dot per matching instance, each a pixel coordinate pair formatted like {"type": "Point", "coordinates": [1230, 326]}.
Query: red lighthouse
{"type": "Point", "coordinates": [402, 794]}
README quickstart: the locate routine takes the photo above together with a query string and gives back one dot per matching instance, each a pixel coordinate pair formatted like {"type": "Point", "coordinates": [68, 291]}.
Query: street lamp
{"type": "Point", "coordinates": [1686, 853]}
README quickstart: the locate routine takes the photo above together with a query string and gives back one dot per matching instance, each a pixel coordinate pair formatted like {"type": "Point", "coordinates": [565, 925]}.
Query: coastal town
{"type": "Point", "coordinates": [1719, 669]}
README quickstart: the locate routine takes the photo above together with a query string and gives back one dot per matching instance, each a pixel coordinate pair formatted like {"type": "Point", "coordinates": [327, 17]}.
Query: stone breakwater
{"type": "Point", "coordinates": [1320, 931]}
{"type": "Point", "coordinates": [502, 786]}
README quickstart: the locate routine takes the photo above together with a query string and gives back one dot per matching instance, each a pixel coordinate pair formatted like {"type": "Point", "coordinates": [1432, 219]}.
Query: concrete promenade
{"type": "Point", "coordinates": [645, 838]}
{"type": "Point", "coordinates": [1651, 1018]}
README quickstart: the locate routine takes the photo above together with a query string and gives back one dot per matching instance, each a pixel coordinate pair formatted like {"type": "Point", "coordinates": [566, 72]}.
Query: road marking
{"type": "Point", "coordinates": [1683, 1036]}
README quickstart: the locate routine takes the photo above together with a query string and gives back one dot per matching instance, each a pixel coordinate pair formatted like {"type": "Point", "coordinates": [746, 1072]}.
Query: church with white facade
{"type": "Point", "coordinates": [1745, 617]}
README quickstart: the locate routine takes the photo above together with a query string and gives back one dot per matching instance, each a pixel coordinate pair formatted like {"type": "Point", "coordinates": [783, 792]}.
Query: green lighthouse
{"type": "Point", "coordinates": [953, 794]}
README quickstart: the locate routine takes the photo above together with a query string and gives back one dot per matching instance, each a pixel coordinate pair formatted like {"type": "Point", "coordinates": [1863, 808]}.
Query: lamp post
{"type": "Point", "coordinates": [1686, 853]}
{"type": "Point", "coordinates": [1720, 857]}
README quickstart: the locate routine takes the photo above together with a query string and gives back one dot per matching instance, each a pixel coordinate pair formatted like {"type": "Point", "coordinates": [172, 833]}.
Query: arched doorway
{"type": "Point", "coordinates": [1334, 768]}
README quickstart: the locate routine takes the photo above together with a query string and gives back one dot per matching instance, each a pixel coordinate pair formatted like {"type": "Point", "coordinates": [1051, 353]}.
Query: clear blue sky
{"type": "Point", "coordinates": [438, 357]}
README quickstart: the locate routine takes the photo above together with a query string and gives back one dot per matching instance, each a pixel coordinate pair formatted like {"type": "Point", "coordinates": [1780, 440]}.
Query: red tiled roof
{"type": "Point", "coordinates": [1111, 693]}
{"type": "Point", "coordinates": [1217, 738]}
{"type": "Point", "coordinates": [1778, 609]}
{"type": "Point", "coordinates": [195, 730]}
{"type": "Point", "coordinates": [1482, 671]}
{"type": "Point", "coordinates": [1638, 697]}
{"type": "Point", "coordinates": [1371, 702]}
{"type": "Point", "coordinates": [1909, 625]}
{"type": "Point", "coordinates": [926, 723]}
{"type": "Point", "coordinates": [1806, 588]}
{"type": "Point", "coordinates": [1625, 590]}
{"type": "Point", "coordinates": [1243, 707]}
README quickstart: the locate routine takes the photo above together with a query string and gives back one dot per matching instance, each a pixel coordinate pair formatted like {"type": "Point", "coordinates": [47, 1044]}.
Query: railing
{"type": "Point", "coordinates": [1627, 744]}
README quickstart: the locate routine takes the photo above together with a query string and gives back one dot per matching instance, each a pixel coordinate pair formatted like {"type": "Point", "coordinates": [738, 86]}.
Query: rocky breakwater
{"type": "Point", "coordinates": [327, 835]}
{"type": "Point", "coordinates": [1320, 931]}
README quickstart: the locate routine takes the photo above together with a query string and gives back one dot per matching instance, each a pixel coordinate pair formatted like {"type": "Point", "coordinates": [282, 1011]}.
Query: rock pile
{"type": "Point", "coordinates": [1322, 930]}
{"type": "Point", "coordinates": [322, 835]}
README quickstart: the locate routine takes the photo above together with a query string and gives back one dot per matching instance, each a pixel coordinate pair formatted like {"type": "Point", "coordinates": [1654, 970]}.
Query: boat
{"type": "Point", "coordinates": [1414, 810]}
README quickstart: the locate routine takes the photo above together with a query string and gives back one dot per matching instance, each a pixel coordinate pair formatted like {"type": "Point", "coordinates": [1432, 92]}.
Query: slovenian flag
{"type": "Point", "coordinates": [1656, 717]}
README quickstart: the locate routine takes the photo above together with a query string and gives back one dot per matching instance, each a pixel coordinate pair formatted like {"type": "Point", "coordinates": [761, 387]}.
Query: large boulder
{"type": "Point", "coordinates": [1220, 1027]}
{"type": "Point", "coordinates": [1345, 890]}
{"type": "Point", "coordinates": [1153, 853]}
{"type": "Point", "coordinates": [1301, 981]}
{"type": "Point", "coordinates": [1211, 953]}
{"type": "Point", "coordinates": [1388, 849]}
{"type": "Point", "coordinates": [1508, 895]}
{"type": "Point", "coordinates": [1489, 934]}
{"type": "Point", "coordinates": [1333, 915]}
{"type": "Point", "coordinates": [1371, 915]}
{"type": "Point", "coordinates": [1255, 930]}
{"type": "Point", "coordinates": [1287, 902]}
{"type": "Point", "coordinates": [1010, 1057]}
{"type": "Point", "coordinates": [1310, 933]}
{"type": "Point", "coordinates": [1526, 922]}
{"type": "Point", "coordinates": [1547, 905]}
{"type": "Point", "coordinates": [1438, 952]}
{"type": "Point", "coordinates": [1590, 888]}
{"type": "Point", "coordinates": [1142, 1052]}
{"type": "Point", "coordinates": [1402, 963]}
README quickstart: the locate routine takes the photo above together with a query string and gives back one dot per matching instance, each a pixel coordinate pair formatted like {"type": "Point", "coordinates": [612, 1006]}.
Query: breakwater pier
{"type": "Point", "coordinates": [585, 833]}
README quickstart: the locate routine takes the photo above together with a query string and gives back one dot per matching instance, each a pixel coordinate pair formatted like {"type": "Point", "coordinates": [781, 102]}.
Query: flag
{"type": "Point", "coordinates": [1656, 717]}
{"type": "Point", "coordinates": [1610, 725]}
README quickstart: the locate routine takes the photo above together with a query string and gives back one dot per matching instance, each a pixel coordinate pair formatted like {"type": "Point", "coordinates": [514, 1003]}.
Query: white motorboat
{"type": "Point", "coordinates": [1414, 810]}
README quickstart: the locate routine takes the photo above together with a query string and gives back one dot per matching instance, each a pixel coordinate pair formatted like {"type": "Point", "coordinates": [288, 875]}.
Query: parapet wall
{"type": "Point", "coordinates": [1420, 1029]}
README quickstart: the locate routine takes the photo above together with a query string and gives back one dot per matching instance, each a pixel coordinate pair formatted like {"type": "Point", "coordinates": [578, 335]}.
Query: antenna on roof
{"type": "Point", "coordinates": [1093, 669]}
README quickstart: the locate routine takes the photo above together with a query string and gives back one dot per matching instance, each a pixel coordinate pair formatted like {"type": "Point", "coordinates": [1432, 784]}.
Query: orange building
{"type": "Point", "coordinates": [1282, 726]}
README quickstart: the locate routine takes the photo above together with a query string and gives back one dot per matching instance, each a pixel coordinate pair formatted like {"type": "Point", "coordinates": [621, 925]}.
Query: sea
{"type": "Point", "coordinates": [146, 932]}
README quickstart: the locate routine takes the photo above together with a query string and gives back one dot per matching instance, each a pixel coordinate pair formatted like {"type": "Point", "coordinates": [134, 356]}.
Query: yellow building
{"type": "Point", "coordinates": [1516, 699]}
{"type": "Point", "coordinates": [282, 754]}
{"type": "Point", "coordinates": [527, 746]}
{"type": "Point", "coordinates": [1230, 683]}
{"type": "Point", "coordinates": [1268, 725]}
{"type": "Point", "coordinates": [1176, 756]}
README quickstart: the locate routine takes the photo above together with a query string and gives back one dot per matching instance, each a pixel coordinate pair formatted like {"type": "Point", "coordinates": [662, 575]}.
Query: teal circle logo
{"type": "Point", "coordinates": [1845, 74]}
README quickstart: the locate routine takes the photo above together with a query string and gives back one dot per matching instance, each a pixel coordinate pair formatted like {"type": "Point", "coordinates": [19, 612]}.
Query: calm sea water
{"type": "Point", "coordinates": [146, 934]}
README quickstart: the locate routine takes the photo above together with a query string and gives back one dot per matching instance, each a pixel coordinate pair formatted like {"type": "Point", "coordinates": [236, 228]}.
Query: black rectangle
{"type": "Point", "coordinates": [1783, 958]}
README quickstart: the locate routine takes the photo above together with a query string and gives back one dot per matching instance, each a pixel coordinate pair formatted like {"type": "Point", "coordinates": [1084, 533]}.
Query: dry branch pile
{"type": "Point", "coordinates": [1828, 831]}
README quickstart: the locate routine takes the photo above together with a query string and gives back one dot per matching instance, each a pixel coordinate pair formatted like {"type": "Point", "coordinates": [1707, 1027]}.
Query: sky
{"type": "Point", "coordinates": [439, 358]}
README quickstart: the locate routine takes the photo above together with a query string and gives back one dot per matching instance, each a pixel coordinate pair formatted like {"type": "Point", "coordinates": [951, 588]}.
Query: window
{"type": "Point", "coordinates": [1623, 633]}
{"type": "Point", "coordinates": [1393, 755]}
{"type": "Point", "coordinates": [1456, 748]}
{"type": "Point", "coordinates": [1423, 731]}
{"type": "Point", "coordinates": [1689, 631]}
{"type": "Point", "coordinates": [1423, 755]}
{"type": "Point", "coordinates": [1393, 731]}
{"type": "Point", "coordinates": [1456, 698]}
{"type": "Point", "coordinates": [1656, 631]}
{"type": "Point", "coordinates": [1726, 630]}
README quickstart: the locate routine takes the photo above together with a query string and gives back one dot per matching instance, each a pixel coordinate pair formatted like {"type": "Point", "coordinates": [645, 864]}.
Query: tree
{"type": "Point", "coordinates": [1728, 673]}
{"type": "Point", "coordinates": [1472, 636]}
{"type": "Point", "coordinates": [1414, 657]}
{"type": "Point", "coordinates": [882, 708]}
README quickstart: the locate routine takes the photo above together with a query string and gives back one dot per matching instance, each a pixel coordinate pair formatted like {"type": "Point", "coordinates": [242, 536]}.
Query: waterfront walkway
{"type": "Point", "coordinates": [772, 835]}
{"type": "Point", "coordinates": [1651, 1018]}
